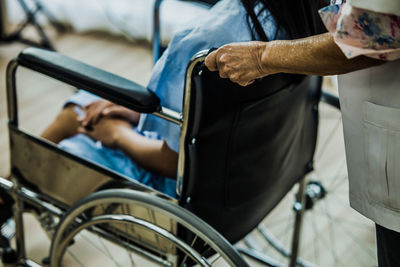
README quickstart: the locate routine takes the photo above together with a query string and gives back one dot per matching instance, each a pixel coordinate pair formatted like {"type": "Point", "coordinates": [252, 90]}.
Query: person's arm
{"type": "Point", "coordinates": [316, 55]}
{"type": "Point", "coordinates": [153, 155]}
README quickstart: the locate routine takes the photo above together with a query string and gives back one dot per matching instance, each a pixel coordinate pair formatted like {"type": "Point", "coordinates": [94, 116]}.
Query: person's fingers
{"type": "Point", "coordinates": [90, 112]}
{"type": "Point", "coordinates": [117, 111]}
{"type": "Point", "coordinates": [113, 111]}
{"type": "Point", "coordinates": [90, 117]}
{"type": "Point", "coordinates": [241, 83]}
{"type": "Point", "coordinates": [245, 82]}
{"type": "Point", "coordinates": [93, 114]}
{"type": "Point", "coordinates": [106, 111]}
{"type": "Point", "coordinates": [88, 106]}
{"type": "Point", "coordinates": [96, 116]}
{"type": "Point", "coordinates": [223, 74]}
{"type": "Point", "coordinates": [87, 118]}
{"type": "Point", "coordinates": [211, 61]}
{"type": "Point", "coordinates": [242, 80]}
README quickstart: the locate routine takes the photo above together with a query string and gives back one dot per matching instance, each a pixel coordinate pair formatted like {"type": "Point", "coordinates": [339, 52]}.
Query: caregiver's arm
{"type": "Point", "coordinates": [315, 55]}
{"type": "Point", "coordinates": [153, 155]}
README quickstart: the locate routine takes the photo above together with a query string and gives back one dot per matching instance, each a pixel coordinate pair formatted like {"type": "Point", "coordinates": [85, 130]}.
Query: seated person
{"type": "Point", "coordinates": [145, 147]}
{"type": "Point", "coordinates": [148, 151]}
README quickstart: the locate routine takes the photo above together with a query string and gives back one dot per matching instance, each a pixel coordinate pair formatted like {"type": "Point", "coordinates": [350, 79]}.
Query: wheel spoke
{"type": "Point", "coordinates": [108, 252]}
{"type": "Point", "coordinates": [331, 234]}
{"type": "Point", "coordinates": [185, 258]}
{"type": "Point", "coordinates": [215, 260]}
{"type": "Point", "coordinates": [76, 259]}
{"type": "Point", "coordinates": [111, 240]}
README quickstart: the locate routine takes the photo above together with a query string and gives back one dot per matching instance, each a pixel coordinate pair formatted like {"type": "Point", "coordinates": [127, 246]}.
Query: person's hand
{"type": "Point", "coordinates": [96, 110]}
{"type": "Point", "coordinates": [118, 111]}
{"type": "Point", "coordinates": [107, 130]}
{"type": "Point", "coordinates": [240, 62]}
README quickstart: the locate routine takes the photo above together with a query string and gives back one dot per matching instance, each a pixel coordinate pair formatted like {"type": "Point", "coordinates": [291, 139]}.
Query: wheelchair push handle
{"type": "Point", "coordinates": [102, 83]}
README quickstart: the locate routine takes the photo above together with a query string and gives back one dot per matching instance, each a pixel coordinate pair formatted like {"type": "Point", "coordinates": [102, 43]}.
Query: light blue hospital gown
{"type": "Point", "coordinates": [226, 22]}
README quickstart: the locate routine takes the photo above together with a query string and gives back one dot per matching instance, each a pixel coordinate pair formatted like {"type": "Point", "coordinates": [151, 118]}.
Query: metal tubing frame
{"type": "Point", "coordinates": [24, 195]}
{"type": "Point", "coordinates": [130, 219]}
{"type": "Point", "coordinates": [164, 113]}
{"type": "Point", "coordinates": [330, 99]}
{"type": "Point", "coordinates": [12, 106]}
{"type": "Point", "coordinates": [200, 56]}
{"type": "Point", "coordinates": [30, 197]}
{"type": "Point", "coordinates": [21, 194]}
{"type": "Point", "coordinates": [18, 209]}
{"type": "Point", "coordinates": [169, 115]}
{"type": "Point", "coordinates": [156, 31]}
{"type": "Point", "coordinates": [299, 209]}
{"type": "Point", "coordinates": [31, 19]}
{"type": "Point", "coordinates": [180, 119]}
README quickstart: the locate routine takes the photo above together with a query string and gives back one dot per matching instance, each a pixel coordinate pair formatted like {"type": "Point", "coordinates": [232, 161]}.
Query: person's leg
{"type": "Point", "coordinates": [64, 126]}
{"type": "Point", "coordinates": [388, 244]}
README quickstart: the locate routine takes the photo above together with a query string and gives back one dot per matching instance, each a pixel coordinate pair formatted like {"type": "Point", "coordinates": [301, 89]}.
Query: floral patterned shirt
{"type": "Point", "coordinates": [363, 32]}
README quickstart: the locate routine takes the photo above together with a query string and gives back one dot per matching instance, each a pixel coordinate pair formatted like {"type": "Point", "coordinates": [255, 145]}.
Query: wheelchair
{"type": "Point", "coordinates": [241, 151]}
{"type": "Point", "coordinates": [330, 223]}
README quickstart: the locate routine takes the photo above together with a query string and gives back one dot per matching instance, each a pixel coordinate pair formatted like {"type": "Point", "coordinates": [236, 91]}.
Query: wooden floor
{"type": "Point", "coordinates": [332, 224]}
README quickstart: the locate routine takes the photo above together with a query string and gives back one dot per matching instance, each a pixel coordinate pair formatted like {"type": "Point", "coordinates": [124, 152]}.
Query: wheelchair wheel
{"type": "Point", "coordinates": [332, 233]}
{"type": "Point", "coordinates": [130, 228]}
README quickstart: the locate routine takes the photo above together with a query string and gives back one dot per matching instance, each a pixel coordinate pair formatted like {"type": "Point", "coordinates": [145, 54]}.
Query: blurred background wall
{"type": "Point", "coordinates": [132, 18]}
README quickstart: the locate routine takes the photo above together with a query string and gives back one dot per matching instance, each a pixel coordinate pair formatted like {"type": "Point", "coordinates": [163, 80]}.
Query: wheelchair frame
{"type": "Point", "coordinates": [298, 206]}
{"type": "Point", "coordinates": [49, 206]}
{"type": "Point", "coordinates": [56, 208]}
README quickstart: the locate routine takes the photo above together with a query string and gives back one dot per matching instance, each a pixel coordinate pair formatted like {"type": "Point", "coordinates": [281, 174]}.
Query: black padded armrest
{"type": "Point", "coordinates": [104, 84]}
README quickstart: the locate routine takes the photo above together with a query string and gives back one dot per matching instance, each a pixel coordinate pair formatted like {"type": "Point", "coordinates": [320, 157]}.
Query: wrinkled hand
{"type": "Point", "coordinates": [96, 110]}
{"type": "Point", "coordinates": [240, 62]}
{"type": "Point", "coordinates": [107, 130]}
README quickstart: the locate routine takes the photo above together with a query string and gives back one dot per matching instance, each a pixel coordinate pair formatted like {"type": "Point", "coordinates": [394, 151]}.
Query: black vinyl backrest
{"type": "Point", "coordinates": [247, 146]}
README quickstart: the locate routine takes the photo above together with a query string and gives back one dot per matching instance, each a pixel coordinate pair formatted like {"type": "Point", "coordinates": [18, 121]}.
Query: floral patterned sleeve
{"type": "Point", "coordinates": [362, 32]}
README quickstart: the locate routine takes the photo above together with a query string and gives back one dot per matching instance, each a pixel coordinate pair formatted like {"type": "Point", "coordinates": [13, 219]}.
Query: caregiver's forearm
{"type": "Point", "coordinates": [315, 55]}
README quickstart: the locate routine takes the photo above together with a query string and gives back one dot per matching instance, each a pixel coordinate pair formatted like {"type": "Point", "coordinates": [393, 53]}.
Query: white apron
{"type": "Point", "coordinates": [370, 104]}
{"type": "Point", "coordinates": [382, 6]}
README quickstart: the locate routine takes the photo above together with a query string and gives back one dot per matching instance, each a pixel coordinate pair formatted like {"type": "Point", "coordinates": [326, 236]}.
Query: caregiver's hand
{"type": "Point", "coordinates": [240, 62]}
